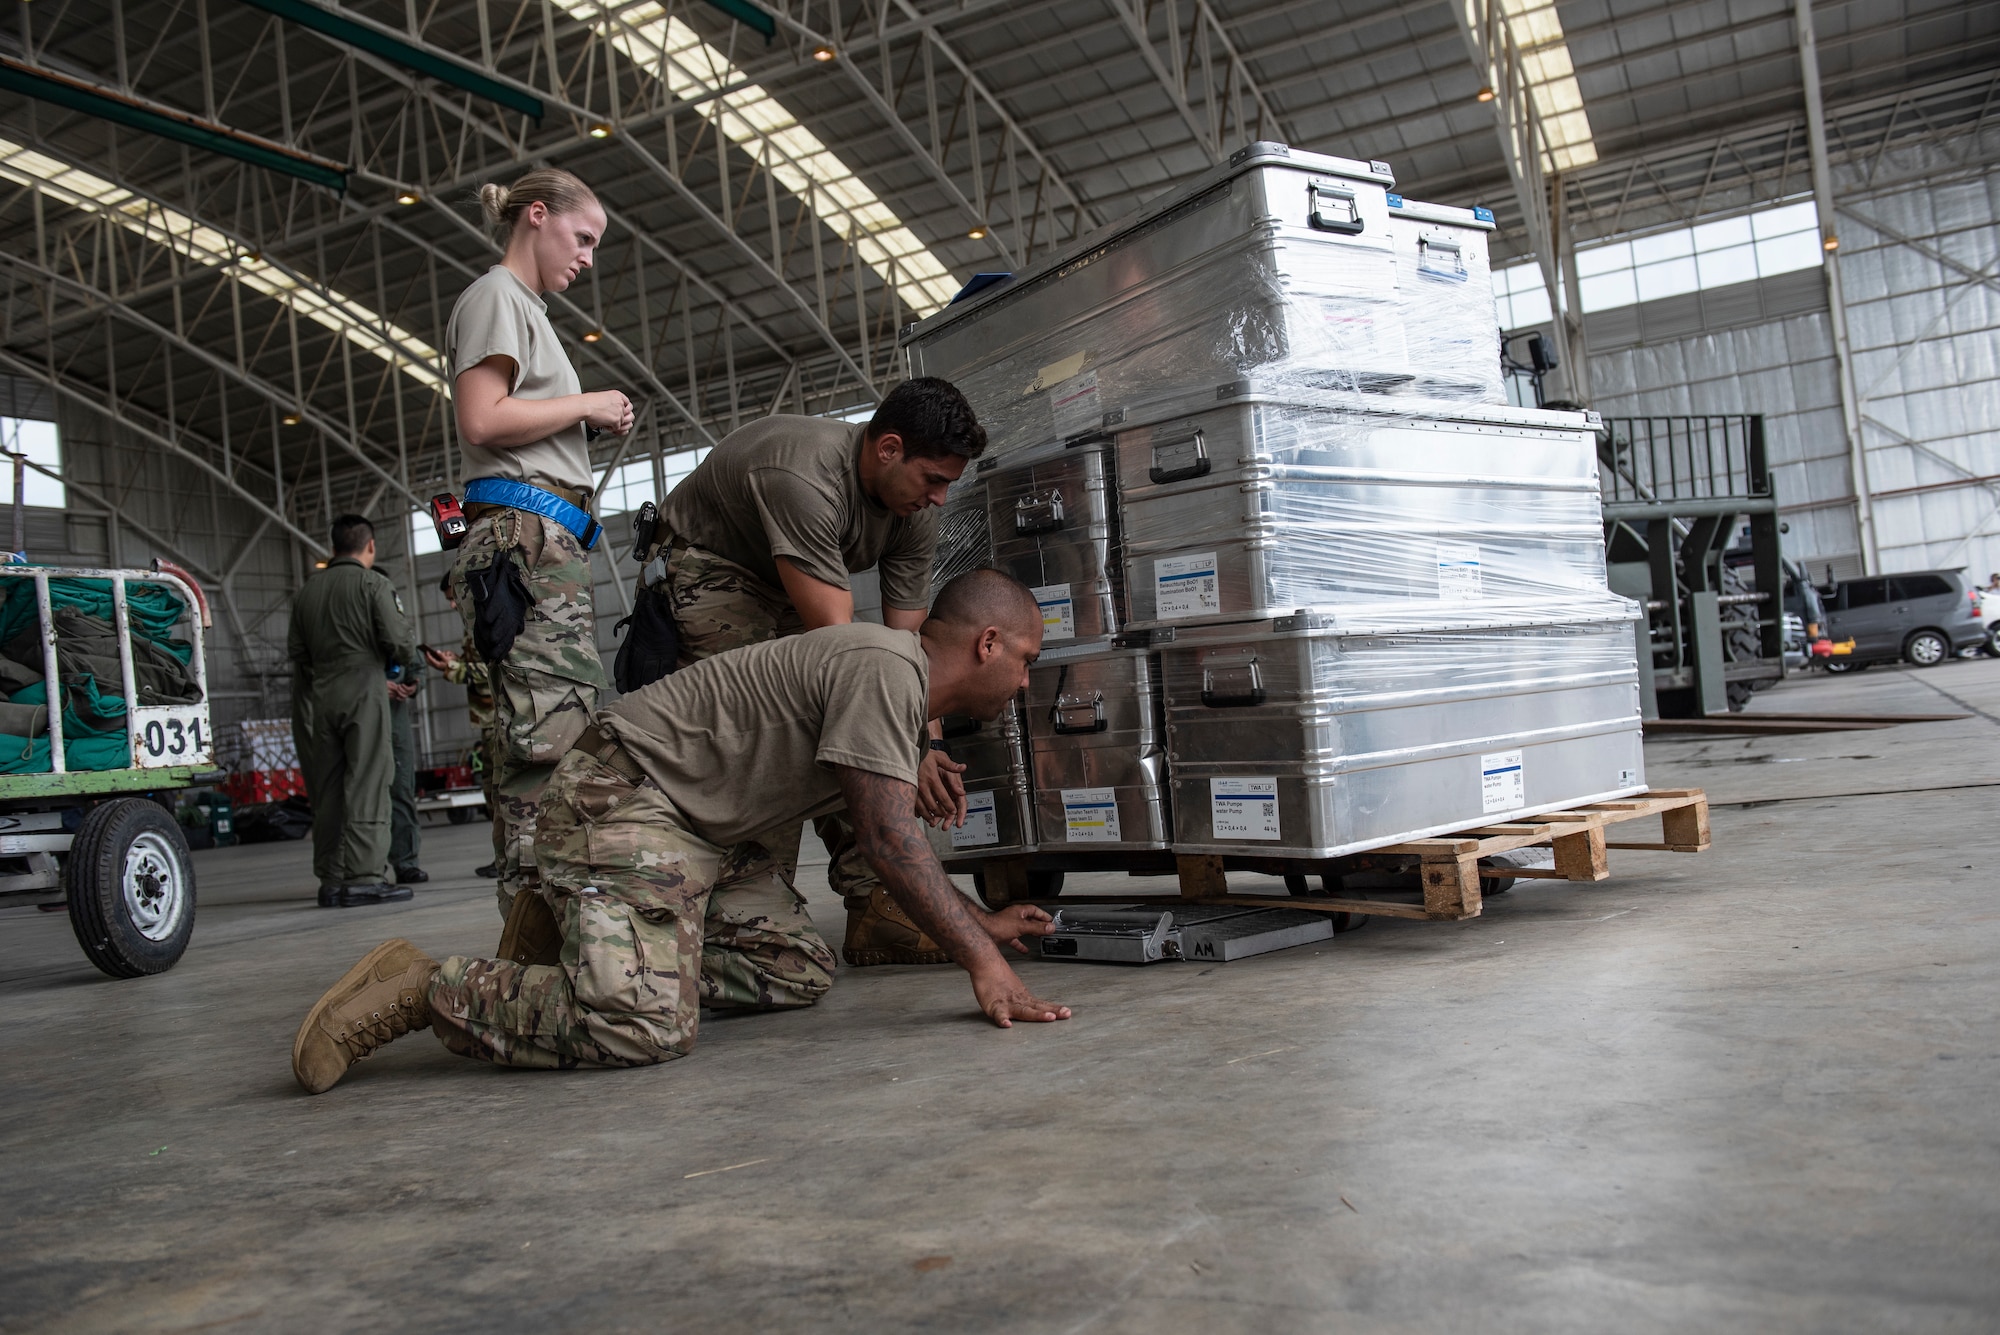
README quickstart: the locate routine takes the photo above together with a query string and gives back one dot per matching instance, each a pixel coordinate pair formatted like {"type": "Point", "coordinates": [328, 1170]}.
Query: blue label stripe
{"type": "Point", "coordinates": [1511, 769]}
{"type": "Point", "coordinates": [1192, 574]}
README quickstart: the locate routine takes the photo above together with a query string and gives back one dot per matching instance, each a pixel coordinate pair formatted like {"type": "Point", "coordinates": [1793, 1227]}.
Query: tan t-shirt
{"type": "Point", "coordinates": [791, 486]}
{"type": "Point", "coordinates": [744, 742]}
{"type": "Point", "coordinates": [499, 317]}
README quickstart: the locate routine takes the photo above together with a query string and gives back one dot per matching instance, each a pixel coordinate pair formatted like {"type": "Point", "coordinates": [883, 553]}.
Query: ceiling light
{"type": "Point", "coordinates": [408, 197]}
{"type": "Point", "coordinates": [592, 335]}
{"type": "Point", "coordinates": [1486, 95]}
{"type": "Point", "coordinates": [977, 234]}
{"type": "Point", "coordinates": [599, 130]}
{"type": "Point", "coordinates": [290, 419]}
{"type": "Point", "coordinates": [823, 53]}
{"type": "Point", "coordinates": [1831, 243]}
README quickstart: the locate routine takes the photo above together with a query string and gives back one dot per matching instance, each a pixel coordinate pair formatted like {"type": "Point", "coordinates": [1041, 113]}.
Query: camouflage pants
{"type": "Point", "coordinates": [657, 923]}
{"type": "Point", "coordinates": [546, 688]}
{"type": "Point", "coordinates": [719, 606]}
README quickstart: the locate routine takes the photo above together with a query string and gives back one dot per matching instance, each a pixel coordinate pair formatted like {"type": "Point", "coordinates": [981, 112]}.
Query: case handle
{"type": "Point", "coordinates": [1331, 209]}
{"type": "Point", "coordinates": [1039, 512]}
{"type": "Point", "coordinates": [1061, 712]}
{"type": "Point", "coordinates": [1180, 459]}
{"type": "Point", "coordinates": [1231, 685]}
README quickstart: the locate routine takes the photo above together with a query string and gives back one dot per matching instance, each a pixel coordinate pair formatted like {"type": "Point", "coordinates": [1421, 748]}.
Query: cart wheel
{"type": "Point", "coordinates": [1349, 922]}
{"type": "Point", "coordinates": [131, 888]}
{"type": "Point", "coordinates": [1496, 885]}
{"type": "Point", "coordinates": [458, 815]}
{"type": "Point", "coordinates": [1298, 883]}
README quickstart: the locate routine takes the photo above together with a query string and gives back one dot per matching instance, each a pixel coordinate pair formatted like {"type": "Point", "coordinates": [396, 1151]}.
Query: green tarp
{"type": "Point", "coordinates": [99, 743]}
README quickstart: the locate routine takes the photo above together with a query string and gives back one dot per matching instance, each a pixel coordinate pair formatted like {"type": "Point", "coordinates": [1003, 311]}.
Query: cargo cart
{"type": "Point", "coordinates": [102, 842]}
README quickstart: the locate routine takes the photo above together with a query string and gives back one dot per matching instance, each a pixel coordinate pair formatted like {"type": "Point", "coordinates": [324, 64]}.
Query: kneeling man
{"type": "Point", "coordinates": [654, 844]}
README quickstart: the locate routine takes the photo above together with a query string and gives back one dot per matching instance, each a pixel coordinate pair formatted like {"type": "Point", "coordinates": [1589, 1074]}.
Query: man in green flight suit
{"type": "Point", "coordinates": [347, 630]}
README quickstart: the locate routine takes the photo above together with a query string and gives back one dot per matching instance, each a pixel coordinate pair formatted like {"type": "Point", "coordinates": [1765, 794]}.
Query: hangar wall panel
{"type": "Point", "coordinates": [1920, 262]}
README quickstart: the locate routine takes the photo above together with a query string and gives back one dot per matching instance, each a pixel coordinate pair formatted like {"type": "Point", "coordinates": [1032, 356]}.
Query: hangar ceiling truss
{"type": "Point", "coordinates": [781, 208]}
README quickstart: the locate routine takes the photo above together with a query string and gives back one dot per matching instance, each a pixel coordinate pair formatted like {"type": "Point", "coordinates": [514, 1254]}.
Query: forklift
{"type": "Point", "coordinates": [1691, 531]}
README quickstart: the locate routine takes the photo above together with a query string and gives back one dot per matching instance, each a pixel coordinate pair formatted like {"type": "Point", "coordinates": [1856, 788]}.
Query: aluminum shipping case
{"type": "Point", "coordinates": [1289, 738]}
{"type": "Point", "coordinates": [1444, 289]}
{"type": "Point", "coordinates": [1052, 513]}
{"type": "Point", "coordinates": [1095, 749]}
{"type": "Point", "coordinates": [1242, 503]}
{"type": "Point", "coordinates": [1276, 257]}
{"type": "Point", "coordinates": [1000, 818]}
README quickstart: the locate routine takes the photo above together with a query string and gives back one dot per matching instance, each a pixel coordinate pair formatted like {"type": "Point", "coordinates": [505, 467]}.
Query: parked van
{"type": "Point", "coordinates": [1921, 616]}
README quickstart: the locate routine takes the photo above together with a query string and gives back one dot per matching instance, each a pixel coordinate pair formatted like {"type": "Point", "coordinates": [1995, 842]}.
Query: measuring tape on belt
{"type": "Point", "coordinates": [520, 496]}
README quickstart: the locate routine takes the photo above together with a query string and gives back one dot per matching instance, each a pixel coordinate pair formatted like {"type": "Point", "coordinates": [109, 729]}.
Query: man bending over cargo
{"type": "Point", "coordinates": [654, 846]}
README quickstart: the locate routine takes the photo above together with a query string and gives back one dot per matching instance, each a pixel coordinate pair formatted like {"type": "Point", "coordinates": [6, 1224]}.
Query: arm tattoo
{"type": "Point", "coordinates": [893, 841]}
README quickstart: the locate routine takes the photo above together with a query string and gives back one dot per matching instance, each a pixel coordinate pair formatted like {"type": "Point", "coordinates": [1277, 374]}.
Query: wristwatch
{"type": "Point", "coordinates": [938, 744]}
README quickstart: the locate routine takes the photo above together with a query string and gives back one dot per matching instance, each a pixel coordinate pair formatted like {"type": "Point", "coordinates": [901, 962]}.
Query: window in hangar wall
{"type": "Point", "coordinates": [42, 444]}
{"type": "Point", "coordinates": [1713, 254]}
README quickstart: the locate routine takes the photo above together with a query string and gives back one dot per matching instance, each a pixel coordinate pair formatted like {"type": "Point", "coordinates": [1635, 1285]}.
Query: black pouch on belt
{"type": "Point", "coordinates": [652, 646]}
{"type": "Point", "coordinates": [499, 606]}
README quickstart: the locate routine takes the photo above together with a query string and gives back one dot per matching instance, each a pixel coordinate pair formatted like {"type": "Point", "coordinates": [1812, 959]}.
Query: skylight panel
{"type": "Point", "coordinates": [1538, 35]}
{"type": "Point", "coordinates": [350, 319]}
{"type": "Point", "coordinates": [668, 49]}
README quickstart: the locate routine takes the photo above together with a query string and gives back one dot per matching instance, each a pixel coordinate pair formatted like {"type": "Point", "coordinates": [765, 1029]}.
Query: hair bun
{"type": "Point", "coordinates": [493, 202]}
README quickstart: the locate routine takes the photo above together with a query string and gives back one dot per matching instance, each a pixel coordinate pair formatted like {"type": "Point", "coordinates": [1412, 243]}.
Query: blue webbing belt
{"type": "Point", "coordinates": [520, 496]}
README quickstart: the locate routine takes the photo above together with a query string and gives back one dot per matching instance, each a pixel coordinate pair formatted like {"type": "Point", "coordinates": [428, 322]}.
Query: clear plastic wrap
{"type": "Point", "coordinates": [1256, 506]}
{"type": "Point", "coordinates": [1288, 266]}
{"type": "Point", "coordinates": [1294, 739]}
{"type": "Point", "coordinates": [1444, 289]}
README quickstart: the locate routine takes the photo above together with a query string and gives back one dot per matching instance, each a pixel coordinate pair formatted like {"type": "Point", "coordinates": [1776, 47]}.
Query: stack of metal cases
{"type": "Point", "coordinates": [1308, 586]}
{"type": "Point", "coordinates": [1095, 742]}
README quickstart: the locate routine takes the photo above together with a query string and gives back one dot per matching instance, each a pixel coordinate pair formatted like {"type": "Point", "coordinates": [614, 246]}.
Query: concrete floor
{"type": "Point", "coordinates": [1753, 1090]}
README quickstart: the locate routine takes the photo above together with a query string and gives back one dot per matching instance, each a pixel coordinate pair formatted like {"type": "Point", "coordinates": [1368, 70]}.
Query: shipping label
{"type": "Point", "coordinates": [1076, 406]}
{"type": "Point", "coordinates": [1458, 571]}
{"type": "Point", "coordinates": [1058, 612]}
{"type": "Point", "coordinates": [1502, 783]}
{"type": "Point", "coordinates": [1186, 586]}
{"type": "Point", "coordinates": [1090, 815]}
{"type": "Point", "coordinates": [982, 823]}
{"type": "Point", "coordinates": [1243, 808]}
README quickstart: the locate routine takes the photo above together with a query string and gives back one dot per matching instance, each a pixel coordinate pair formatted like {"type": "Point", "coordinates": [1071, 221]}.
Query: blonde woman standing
{"type": "Point", "coordinates": [521, 577]}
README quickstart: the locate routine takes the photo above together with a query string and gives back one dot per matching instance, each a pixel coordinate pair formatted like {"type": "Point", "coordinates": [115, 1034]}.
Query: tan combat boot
{"type": "Point", "coordinates": [879, 932]}
{"type": "Point", "coordinates": [377, 1001]}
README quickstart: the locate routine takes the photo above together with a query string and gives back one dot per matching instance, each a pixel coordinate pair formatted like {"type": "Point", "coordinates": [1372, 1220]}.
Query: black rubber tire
{"type": "Point", "coordinates": [458, 815]}
{"type": "Point", "coordinates": [1926, 648]}
{"type": "Point", "coordinates": [1496, 885]}
{"type": "Point", "coordinates": [1836, 666]}
{"type": "Point", "coordinates": [102, 913]}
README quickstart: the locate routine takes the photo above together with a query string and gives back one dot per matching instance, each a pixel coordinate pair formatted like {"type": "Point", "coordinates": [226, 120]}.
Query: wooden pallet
{"type": "Point", "coordinates": [1450, 865]}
